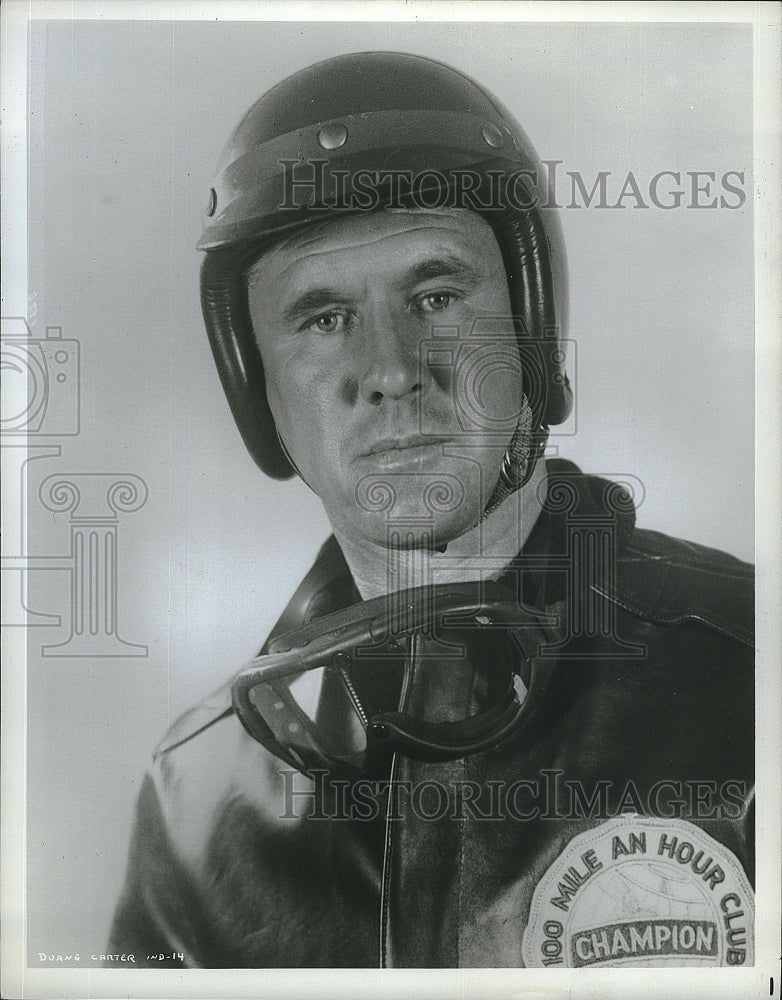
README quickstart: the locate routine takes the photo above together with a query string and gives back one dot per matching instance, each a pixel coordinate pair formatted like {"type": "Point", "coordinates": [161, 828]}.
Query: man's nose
{"type": "Point", "coordinates": [391, 361]}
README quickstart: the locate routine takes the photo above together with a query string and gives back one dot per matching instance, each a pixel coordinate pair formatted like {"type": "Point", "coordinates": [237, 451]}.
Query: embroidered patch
{"type": "Point", "coordinates": [639, 891]}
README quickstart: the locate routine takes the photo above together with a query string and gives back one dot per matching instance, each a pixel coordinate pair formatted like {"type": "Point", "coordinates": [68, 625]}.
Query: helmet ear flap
{"type": "Point", "coordinates": [537, 281]}
{"type": "Point", "coordinates": [234, 347]}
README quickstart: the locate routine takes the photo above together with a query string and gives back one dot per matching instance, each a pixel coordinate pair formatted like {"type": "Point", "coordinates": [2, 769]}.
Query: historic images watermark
{"type": "Point", "coordinates": [313, 184]}
{"type": "Point", "coordinates": [548, 795]}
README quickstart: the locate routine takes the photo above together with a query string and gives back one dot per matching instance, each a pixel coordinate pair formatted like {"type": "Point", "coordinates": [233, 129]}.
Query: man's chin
{"type": "Point", "coordinates": [418, 533]}
{"type": "Point", "coordinates": [412, 511]}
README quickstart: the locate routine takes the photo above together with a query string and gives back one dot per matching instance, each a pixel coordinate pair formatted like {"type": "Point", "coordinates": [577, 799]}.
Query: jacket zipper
{"type": "Point", "coordinates": [386, 875]}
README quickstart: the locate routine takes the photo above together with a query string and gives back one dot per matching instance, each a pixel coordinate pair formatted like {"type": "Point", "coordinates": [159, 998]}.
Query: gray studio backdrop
{"type": "Point", "coordinates": [163, 555]}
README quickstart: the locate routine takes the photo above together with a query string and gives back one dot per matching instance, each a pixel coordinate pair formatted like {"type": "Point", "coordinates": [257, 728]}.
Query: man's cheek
{"type": "Point", "coordinates": [289, 388]}
{"type": "Point", "coordinates": [280, 411]}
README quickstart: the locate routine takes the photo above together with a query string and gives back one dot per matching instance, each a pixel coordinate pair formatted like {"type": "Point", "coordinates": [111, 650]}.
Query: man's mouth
{"type": "Point", "coordinates": [409, 452]}
{"type": "Point", "coordinates": [412, 441]}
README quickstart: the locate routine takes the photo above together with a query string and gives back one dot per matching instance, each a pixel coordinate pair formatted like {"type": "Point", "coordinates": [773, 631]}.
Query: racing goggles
{"type": "Point", "coordinates": [435, 673]}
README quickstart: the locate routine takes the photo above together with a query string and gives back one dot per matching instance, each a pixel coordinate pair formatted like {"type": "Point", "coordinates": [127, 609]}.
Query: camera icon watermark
{"type": "Point", "coordinates": [483, 366]}
{"type": "Point", "coordinates": [479, 366]}
{"type": "Point", "coordinates": [40, 381]}
{"type": "Point", "coordinates": [41, 403]}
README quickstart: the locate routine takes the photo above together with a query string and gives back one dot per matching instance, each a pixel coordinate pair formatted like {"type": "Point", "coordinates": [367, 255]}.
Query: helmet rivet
{"type": "Point", "coordinates": [492, 135]}
{"type": "Point", "coordinates": [211, 202]}
{"type": "Point", "coordinates": [333, 135]}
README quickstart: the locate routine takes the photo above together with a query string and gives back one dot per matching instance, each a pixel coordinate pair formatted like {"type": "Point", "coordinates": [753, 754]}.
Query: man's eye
{"type": "Point", "coordinates": [331, 322]}
{"type": "Point", "coordinates": [435, 301]}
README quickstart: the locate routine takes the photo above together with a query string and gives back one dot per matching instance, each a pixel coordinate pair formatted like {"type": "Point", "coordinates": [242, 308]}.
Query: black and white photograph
{"type": "Point", "coordinates": [391, 511]}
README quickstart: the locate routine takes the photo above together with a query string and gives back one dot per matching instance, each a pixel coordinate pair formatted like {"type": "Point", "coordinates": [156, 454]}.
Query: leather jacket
{"type": "Point", "coordinates": [612, 827]}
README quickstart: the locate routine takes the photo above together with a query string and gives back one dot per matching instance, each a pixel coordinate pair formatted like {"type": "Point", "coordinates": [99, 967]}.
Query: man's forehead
{"type": "Point", "coordinates": [394, 232]}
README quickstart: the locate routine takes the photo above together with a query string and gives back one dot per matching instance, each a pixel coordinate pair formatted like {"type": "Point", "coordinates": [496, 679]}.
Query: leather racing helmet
{"type": "Point", "coordinates": [363, 132]}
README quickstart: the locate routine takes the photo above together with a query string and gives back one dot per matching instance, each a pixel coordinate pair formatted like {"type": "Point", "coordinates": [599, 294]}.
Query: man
{"type": "Point", "coordinates": [497, 725]}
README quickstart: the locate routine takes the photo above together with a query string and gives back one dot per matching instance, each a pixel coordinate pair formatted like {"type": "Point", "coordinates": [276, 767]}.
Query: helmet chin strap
{"type": "Point", "coordinates": [290, 458]}
{"type": "Point", "coordinates": [516, 466]}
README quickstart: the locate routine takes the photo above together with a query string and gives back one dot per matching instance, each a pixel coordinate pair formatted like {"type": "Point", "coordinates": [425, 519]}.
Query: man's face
{"type": "Point", "coordinates": [389, 420]}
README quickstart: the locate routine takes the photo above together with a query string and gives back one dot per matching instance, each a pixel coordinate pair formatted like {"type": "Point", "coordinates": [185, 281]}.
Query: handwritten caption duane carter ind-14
{"type": "Point", "coordinates": [124, 958]}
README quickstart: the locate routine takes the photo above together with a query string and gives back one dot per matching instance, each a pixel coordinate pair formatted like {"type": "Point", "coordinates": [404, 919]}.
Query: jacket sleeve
{"type": "Point", "coordinates": [155, 917]}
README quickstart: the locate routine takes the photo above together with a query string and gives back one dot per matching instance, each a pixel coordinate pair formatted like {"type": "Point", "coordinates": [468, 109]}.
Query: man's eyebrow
{"type": "Point", "coordinates": [313, 299]}
{"type": "Point", "coordinates": [447, 266]}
